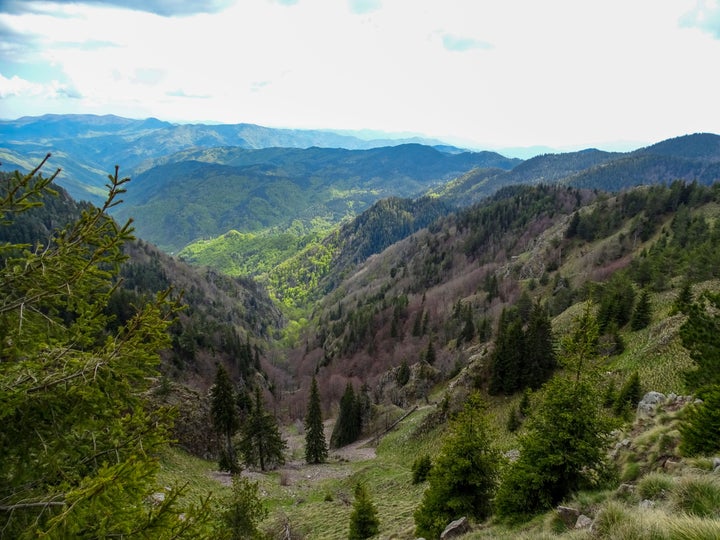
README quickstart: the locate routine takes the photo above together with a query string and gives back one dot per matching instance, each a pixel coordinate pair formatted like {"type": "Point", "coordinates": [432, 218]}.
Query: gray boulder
{"type": "Point", "coordinates": [456, 528]}
{"type": "Point", "coordinates": [649, 403]}
{"type": "Point", "coordinates": [568, 515]}
{"type": "Point", "coordinates": [583, 522]}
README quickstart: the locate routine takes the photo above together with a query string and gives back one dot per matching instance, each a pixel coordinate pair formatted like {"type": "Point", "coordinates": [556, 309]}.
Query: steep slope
{"type": "Point", "coordinates": [555, 245]}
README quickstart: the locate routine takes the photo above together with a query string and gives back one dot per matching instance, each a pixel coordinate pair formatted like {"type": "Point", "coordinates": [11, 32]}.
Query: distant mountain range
{"type": "Point", "coordinates": [87, 147]}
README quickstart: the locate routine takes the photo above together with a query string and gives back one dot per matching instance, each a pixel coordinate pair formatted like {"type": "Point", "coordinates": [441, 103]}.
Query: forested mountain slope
{"type": "Point", "coordinates": [442, 290]}
{"type": "Point", "coordinates": [251, 190]}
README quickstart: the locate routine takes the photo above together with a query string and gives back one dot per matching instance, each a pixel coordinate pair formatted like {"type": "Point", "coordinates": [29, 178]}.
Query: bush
{"type": "Point", "coordinates": [242, 512]}
{"type": "Point", "coordinates": [692, 528]}
{"type": "Point", "coordinates": [421, 468]}
{"type": "Point", "coordinates": [700, 430]}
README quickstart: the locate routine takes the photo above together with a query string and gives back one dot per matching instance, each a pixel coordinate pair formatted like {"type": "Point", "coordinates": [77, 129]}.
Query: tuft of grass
{"type": "Point", "coordinates": [618, 521]}
{"type": "Point", "coordinates": [630, 472]}
{"type": "Point", "coordinates": [693, 528]}
{"type": "Point", "coordinates": [655, 486]}
{"type": "Point", "coordinates": [697, 495]}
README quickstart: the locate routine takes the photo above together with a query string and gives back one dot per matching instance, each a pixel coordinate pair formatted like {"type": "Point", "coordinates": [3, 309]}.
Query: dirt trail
{"type": "Point", "coordinates": [297, 471]}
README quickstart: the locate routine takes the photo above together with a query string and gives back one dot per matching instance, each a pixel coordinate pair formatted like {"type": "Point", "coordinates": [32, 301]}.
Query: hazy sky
{"type": "Point", "coordinates": [564, 73]}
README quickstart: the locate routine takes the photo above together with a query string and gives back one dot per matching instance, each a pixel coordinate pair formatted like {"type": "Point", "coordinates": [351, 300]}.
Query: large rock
{"type": "Point", "coordinates": [568, 515]}
{"type": "Point", "coordinates": [649, 403]}
{"type": "Point", "coordinates": [456, 528]}
{"type": "Point", "coordinates": [583, 522]}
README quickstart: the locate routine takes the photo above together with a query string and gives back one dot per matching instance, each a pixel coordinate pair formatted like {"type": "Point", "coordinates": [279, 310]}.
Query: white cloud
{"type": "Point", "coordinates": [704, 15]}
{"type": "Point", "coordinates": [21, 88]}
{"type": "Point", "coordinates": [497, 72]}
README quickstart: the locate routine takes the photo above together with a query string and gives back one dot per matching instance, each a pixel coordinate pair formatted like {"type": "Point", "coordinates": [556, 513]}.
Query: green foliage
{"type": "Point", "coordinates": [421, 468]}
{"type": "Point", "coordinates": [513, 422]}
{"type": "Point", "coordinates": [79, 443]}
{"type": "Point", "coordinates": [225, 418]}
{"type": "Point", "coordinates": [403, 374]}
{"type": "Point", "coordinates": [364, 522]}
{"type": "Point", "coordinates": [629, 395]}
{"type": "Point", "coordinates": [463, 479]}
{"type": "Point", "coordinates": [349, 421]}
{"type": "Point", "coordinates": [564, 444]}
{"type": "Point", "coordinates": [642, 315]}
{"type": "Point", "coordinates": [316, 450]}
{"type": "Point", "coordinates": [615, 302]}
{"type": "Point", "coordinates": [261, 443]}
{"type": "Point", "coordinates": [655, 486]}
{"type": "Point", "coordinates": [700, 429]}
{"type": "Point", "coordinates": [524, 405]}
{"type": "Point", "coordinates": [241, 512]}
{"type": "Point", "coordinates": [523, 357]}
{"type": "Point", "coordinates": [430, 355]}
{"type": "Point", "coordinates": [700, 334]}
{"type": "Point", "coordinates": [684, 299]}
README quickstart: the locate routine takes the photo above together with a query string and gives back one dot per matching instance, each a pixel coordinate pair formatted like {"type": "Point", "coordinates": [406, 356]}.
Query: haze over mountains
{"type": "Point", "coordinates": [198, 182]}
{"type": "Point", "coordinates": [87, 145]}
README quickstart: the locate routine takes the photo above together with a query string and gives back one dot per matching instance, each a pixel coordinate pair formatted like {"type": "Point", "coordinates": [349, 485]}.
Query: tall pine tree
{"type": "Point", "coordinates": [539, 356]}
{"type": "Point", "coordinates": [261, 443]}
{"type": "Point", "coordinates": [463, 478]}
{"type": "Point", "coordinates": [508, 357]}
{"type": "Point", "coordinates": [316, 450]}
{"type": "Point", "coordinates": [349, 421]}
{"type": "Point", "coordinates": [225, 417]}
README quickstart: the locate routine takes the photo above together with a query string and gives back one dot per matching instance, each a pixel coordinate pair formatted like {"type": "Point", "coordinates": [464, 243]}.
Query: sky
{"type": "Point", "coordinates": [482, 73]}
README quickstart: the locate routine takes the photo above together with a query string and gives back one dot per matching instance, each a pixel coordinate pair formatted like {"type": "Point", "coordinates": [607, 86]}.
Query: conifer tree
{"type": "Point", "coordinates": [508, 357]}
{"type": "Point", "coordinates": [700, 429]}
{"type": "Point", "coordinates": [430, 355]}
{"type": "Point", "coordinates": [629, 395]}
{"type": "Point", "coordinates": [225, 417]}
{"type": "Point", "coordinates": [261, 443]}
{"type": "Point", "coordinates": [643, 312]}
{"type": "Point", "coordinates": [316, 450]}
{"type": "Point", "coordinates": [349, 421]}
{"type": "Point", "coordinates": [364, 522]}
{"type": "Point", "coordinates": [700, 334]}
{"type": "Point", "coordinates": [684, 298]}
{"type": "Point", "coordinates": [79, 440]}
{"type": "Point", "coordinates": [403, 374]}
{"type": "Point", "coordinates": [463, 478]}
{"type": "Point", "coordinates": [539, 356]}
{"type": "Point", "coordinates": [242, 512]}
{"type": "Point", "coordinates": [468, 331]}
